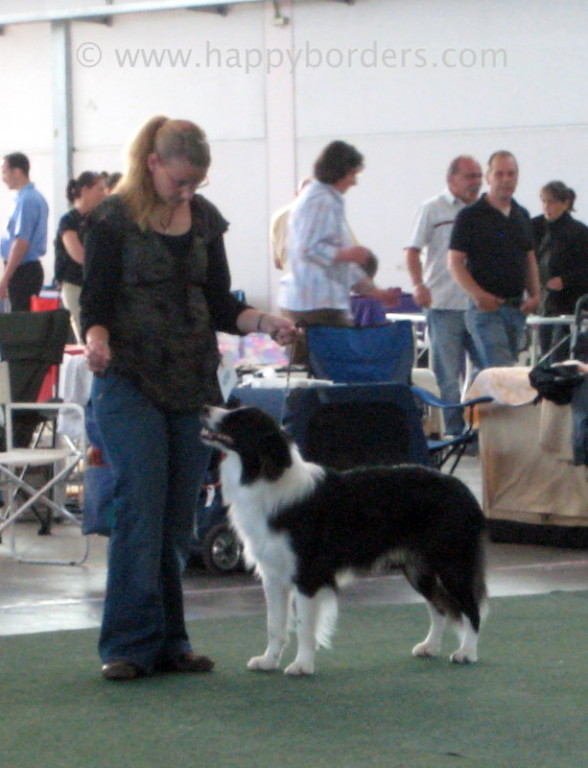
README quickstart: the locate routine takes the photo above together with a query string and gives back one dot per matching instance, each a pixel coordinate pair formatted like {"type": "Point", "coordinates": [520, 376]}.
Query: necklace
{"type": "Point", "coordinates": [166, 222]}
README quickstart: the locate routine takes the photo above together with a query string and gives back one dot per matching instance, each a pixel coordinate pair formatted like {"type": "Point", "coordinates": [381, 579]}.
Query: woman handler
{"type": "Point", "coordinates": [156, 288]}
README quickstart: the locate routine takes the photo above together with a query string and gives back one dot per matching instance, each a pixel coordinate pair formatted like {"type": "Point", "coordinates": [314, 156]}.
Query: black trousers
{"type": "Point", "coordinates": [27, 281]}
{"type": "Point", "coordinates": [550, 336]}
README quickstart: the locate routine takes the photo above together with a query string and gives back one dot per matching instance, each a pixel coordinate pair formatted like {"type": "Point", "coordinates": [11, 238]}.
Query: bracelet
{"type": "Point", "coordinates": [259, 319]}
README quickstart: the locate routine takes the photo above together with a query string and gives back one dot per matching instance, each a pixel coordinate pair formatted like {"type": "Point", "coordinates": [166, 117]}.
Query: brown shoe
{"type": "Point", "coordinates": [187, 662]}
{"type": "Point", "coordinates": [121, 670]}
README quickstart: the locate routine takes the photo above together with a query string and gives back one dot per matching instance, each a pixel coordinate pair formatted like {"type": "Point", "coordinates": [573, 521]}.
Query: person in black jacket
{"type": "Point", "coordinates": [561, 245]}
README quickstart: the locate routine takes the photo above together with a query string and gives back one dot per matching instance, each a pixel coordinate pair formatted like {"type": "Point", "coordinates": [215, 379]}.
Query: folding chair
{"type": "Point", "coordinates": [442, 451]}
{"type": "Point", "coordinates": [19, 495]}
{"type": "Point", "coordinates": [579, 330]}
{"type": "Point", "coordinates": [377, 354]}
{"type": "Point", "coordinates": [32, 342]}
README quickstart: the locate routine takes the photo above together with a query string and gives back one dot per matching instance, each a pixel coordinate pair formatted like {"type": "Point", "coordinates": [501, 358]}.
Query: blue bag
{"type": "Point", "coordinates": [98, 512]}
{"type": "Point", "coordinates": [98, 509]}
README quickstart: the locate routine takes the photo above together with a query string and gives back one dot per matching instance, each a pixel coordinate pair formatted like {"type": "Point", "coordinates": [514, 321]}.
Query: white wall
{"type": "Point", "coordinates": [382, 74]}
{"type": "Point", "coordinates": [409, 121]}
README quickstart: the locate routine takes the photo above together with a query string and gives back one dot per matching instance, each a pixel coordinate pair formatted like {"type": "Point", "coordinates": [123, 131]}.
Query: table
{"type": "Point", "coordinates": [419, 327]}
{"type": "Point", "coordinates": [419, 322]}
{"type": "Point", "coordinates": [526, 457]}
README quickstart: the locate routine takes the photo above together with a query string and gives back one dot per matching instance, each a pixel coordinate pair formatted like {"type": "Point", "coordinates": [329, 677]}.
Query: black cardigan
{"type": "Point", "coordinates": [563, 254]}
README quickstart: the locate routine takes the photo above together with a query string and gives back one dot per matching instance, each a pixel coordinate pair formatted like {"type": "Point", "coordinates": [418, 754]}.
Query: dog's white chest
{"type": "Point", "coordinates": [267, 549]}
{"type": "Point", "coordinates": [253, 505]}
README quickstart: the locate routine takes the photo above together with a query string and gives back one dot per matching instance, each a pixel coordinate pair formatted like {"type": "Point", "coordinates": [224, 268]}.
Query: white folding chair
{"type": "Point", "coordinates": [19, 496]}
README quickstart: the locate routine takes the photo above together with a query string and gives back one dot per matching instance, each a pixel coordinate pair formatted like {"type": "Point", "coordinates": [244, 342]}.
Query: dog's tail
{"type": "Point", "coordinates": [327, 616]}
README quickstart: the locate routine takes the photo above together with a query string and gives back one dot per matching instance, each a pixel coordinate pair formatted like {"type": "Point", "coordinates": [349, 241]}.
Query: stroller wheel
{"type": "Point", "coordinates": [221, 550]}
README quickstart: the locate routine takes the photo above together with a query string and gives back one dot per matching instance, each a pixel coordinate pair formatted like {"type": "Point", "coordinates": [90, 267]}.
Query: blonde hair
{"type": "Point", "coordinates": [170, 139]}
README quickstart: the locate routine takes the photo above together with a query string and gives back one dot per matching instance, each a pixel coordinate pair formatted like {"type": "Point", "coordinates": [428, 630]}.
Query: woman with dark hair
{"type": "Point", "coordinates": [156, 288]}
{"type": "Point", "coordinates": [84, 194]}
{"type": "Point", "coordinates": [111, 180]}
{"type": "Point", "coordinates": [325, 261]}
{"type": "Point", "coordinates": [337, 160]}
{"type": "Point", "coordinates": [561, 246]}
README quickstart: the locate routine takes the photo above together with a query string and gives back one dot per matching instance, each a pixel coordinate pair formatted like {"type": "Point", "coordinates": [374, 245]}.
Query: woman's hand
{"type": "Point", "coordinates": [97, 351]}
{"type": "Point", "coordinates": [282, 330]}
{"type": "Point", "coordinates": [354, 253]}
{"type": "Point", "coordinates": [554, 284]}
{"type": "Point", "coordinates": [390, 297]}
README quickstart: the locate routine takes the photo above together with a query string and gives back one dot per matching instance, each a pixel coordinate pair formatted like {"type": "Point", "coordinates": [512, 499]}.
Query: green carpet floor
{"type": "Point", "coordinates": [370, 704]}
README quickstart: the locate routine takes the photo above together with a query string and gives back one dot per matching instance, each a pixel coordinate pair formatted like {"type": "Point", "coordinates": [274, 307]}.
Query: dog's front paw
{"type": "Point", "coordinates": [298, 668]}
{"type": "Point", "coordinates": [425, 650]}
{"type": "Point", "coordinates": [463, 656]}
{"type": "Point", "coordinates": [263, 663]}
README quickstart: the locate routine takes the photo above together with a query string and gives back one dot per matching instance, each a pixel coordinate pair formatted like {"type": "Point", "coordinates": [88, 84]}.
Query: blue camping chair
{"type": "Point", "coordinates": [350, 425]}
{"type": "Point", "coordinates": [346, 425]}
{"type": "Point", "coordinates": [449, 450]}
{"type": "Point", "coordinates": [377, 354]}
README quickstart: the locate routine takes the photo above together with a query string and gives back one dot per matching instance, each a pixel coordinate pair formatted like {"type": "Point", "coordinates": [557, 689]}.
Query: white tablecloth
{"type": "Point", "coordinates": [525, 453]}
{"type": "Point", "coordinates": [75, 381]}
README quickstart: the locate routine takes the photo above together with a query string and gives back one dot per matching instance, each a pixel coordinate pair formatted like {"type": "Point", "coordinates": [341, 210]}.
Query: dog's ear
{"type": "Point", "coordinates": [275, 455]}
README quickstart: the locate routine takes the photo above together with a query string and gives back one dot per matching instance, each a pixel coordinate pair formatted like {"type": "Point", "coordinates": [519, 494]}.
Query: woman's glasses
{"type": "Point", "coordinates": [184, 183]}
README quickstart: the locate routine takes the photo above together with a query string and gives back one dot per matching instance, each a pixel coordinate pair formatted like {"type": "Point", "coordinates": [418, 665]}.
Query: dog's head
{"type": "Point", "coordinates": [262, 447]}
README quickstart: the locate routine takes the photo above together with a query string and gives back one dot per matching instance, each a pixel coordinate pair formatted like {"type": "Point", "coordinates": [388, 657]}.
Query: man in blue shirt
{"type": "Point", "coordinates": [24, 241]}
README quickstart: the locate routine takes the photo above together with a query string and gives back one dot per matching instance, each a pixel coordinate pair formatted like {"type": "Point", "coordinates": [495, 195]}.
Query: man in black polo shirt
{"type": "Point", "coordinates": [491, 256]}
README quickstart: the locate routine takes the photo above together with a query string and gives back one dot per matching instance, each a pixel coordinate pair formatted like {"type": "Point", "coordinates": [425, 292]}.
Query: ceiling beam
{"type": "Point", "coordinates": [222, 10]}
{"type": "Point", "coordinates": [99, 13]}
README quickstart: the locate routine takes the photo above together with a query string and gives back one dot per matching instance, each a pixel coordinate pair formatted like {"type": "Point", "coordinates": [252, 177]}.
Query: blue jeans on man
{"type": "Point", "coordinates": [159, 462]}
{"type": "Point", "coordinates": [450, 341]}
{"type": "Point", "coordinates": [498, 335]}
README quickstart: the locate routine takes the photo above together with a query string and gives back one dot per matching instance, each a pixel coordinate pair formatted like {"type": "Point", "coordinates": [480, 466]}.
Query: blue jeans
{"type": "Point", "coordinates": [450, 341]}
{"type": "Point", "coordinates": [498, 335]}
{"type": "Point", "coordinates": [159, 462]}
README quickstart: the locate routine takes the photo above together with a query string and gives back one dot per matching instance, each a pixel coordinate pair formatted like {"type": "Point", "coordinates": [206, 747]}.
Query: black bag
{"type": "Point", "coordinates": [555, 382]}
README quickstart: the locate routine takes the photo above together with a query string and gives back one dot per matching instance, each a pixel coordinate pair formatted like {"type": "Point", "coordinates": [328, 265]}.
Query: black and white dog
{"type": "Point", "coordinates": [304, 526]}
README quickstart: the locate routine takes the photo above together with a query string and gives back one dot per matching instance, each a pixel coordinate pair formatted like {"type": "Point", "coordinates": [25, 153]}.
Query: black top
{"type": "Point", "coordinates": [66, 269]}
{"type": "Point", "coordinates": [562, 251]}
{"type": "Point", "coordinates": [496, 246]}
{"type": "Point", "coordinates": [103, 273]}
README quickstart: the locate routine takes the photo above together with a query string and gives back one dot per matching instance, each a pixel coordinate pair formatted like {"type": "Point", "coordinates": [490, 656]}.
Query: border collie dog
{"type": "Point", "coordinates": [304, 526]}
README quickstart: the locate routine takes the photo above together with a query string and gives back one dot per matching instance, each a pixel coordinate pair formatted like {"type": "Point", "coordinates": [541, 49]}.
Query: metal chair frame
{"type": "Point", "coordinates": [442, 451]}
{"type": "Point", "coordinates": [63, 461]}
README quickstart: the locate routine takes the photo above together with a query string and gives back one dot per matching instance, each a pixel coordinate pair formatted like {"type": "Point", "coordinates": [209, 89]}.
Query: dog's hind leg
{"type": "Point", "coordinates": [467, 653]}
{"type": "Point", "coordinates": [465, 597]}
{"type": "Point", "coordinates": [424, 580]}
{"type": "Point", "coordinates": [431, 645]}
{"type": "Point", "coordinates": [277, 596]}
{"type": "Point", "coordinates": [307, 615]}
